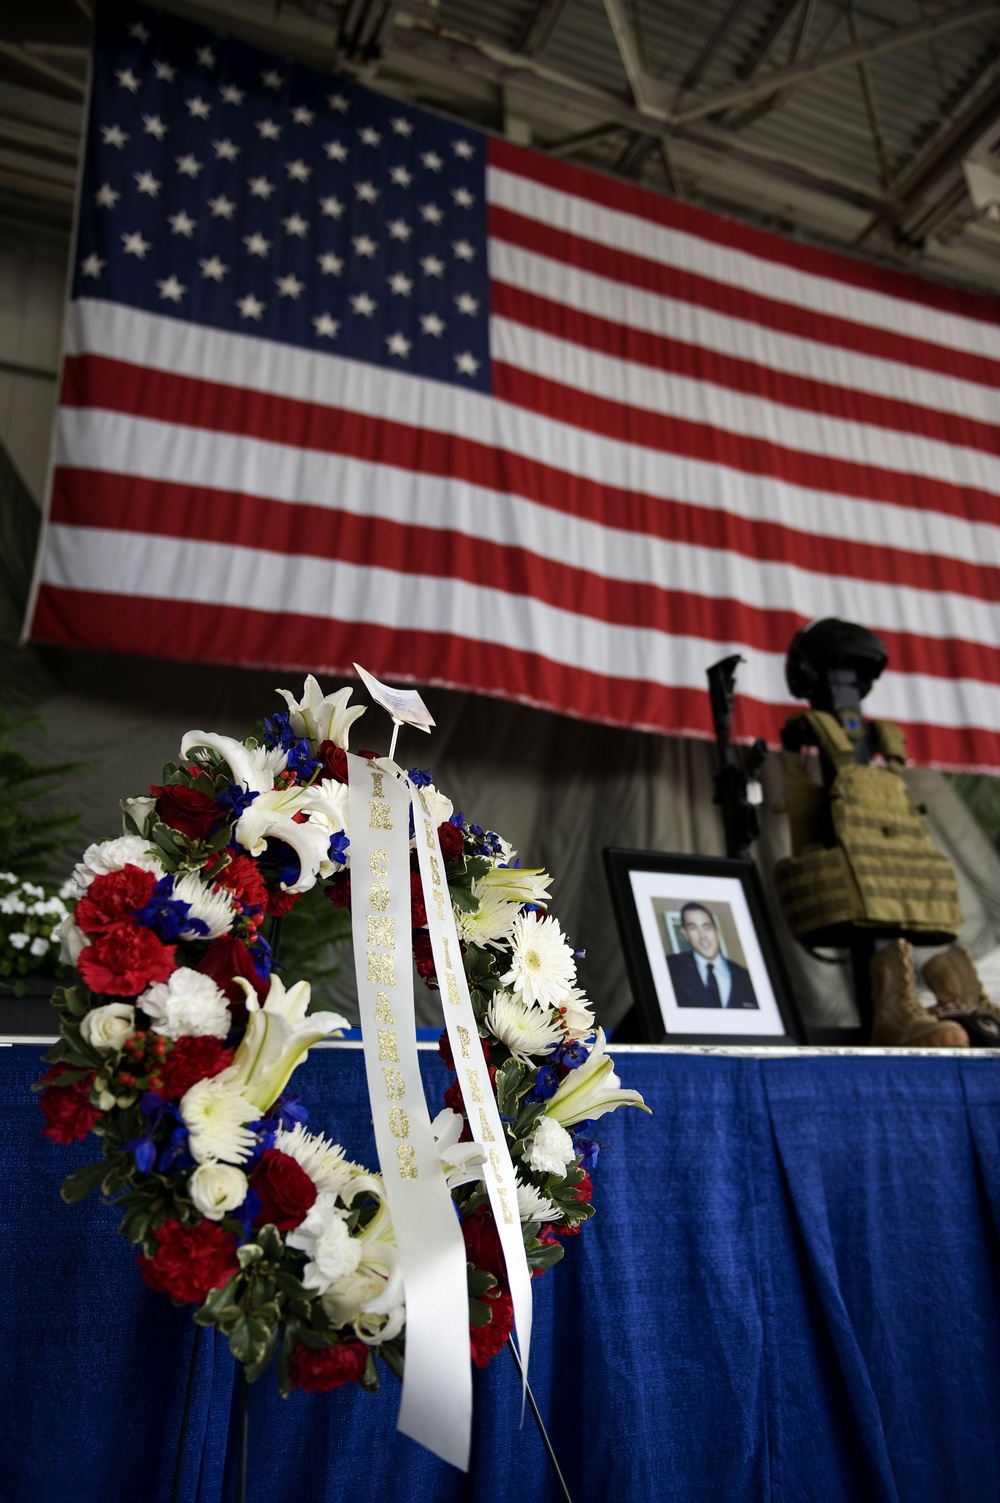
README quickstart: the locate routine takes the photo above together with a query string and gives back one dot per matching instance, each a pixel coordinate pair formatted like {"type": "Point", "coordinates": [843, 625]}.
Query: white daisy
{"type": "Point", "coordinates": [213, 907]}
{"type": "Point", "coordinates": [215, 1115]}
{"type": "Point", "coordinates": [187, 1005]}
{"type": "Point", "coordinates": [542, 964]}
{"type": "Point", "coordinates": [492, 922]}
{"type": "Point", "coordinates": [525, 1030]}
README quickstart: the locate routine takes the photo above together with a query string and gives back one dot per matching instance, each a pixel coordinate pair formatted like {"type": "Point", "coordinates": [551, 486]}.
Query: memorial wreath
{"type": "Point", "coordinates": [178, 1039]}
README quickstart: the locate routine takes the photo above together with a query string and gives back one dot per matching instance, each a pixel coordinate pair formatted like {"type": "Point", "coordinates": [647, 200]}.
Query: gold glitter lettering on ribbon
{"type": "Point", "coordinates": [381, 932]}
{"type": "Point", "coordinates": [383, 1012]}
{"type": "Point", "coordinates": [447, 952]}
{"type": "Point", "coordinates": [435, 871]}
{"type": "Point", "coordinates": [429, 834]}
{"type": "Point", "coordinates": [394, 1087]}
{"type": "Point", "coordinates": [407, 1155]}
{"type": "Point", "coordinates": [463, 1034]}
{"type": "Point", "coordinates": [380, 815]}
{"type": "Point", "coordinates": [380, 970]}
{"type": "Point", "coordinates": [387, 1046]}
{"type": "Point", "coordinates": [378, 896]}
{"type": "Point", "coordinates": [475, 1089]}
{"type": "Point", "coordinates": [380, 863]}
{"type": "Point", "coordinates": [453, 994]}
{"type": "Point", "coordinates": [485, 1134]}
{"type": "Point", "coordinates": [399, 1123]}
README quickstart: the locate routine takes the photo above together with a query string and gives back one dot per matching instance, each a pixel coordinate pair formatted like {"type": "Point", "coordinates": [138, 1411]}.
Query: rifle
{"type": "Point", "coordinates": [737, 791]}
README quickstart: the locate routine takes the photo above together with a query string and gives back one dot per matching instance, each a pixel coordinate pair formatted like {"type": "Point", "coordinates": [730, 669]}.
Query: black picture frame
{"type": "Point", "coordinates": [648, 890]}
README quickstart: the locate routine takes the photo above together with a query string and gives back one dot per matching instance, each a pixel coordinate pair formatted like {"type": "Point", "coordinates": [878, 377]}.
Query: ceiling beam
{"type": "Point", "coordinates": [844, 57]}
{"type": "Point", "coordinates": [540, 26]}
{"type": "Point", "coordinates": [46, 70]}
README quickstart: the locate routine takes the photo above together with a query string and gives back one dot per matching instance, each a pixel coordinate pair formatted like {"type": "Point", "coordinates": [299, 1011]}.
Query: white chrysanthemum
{"type": "Point", "coordinates": [188, 1004]}
{"type": "Point", "coordinates": [532, 1205]}
{"type": "Point", "coordinates": [325, 1239]}
{"type": "Point", "coordinates": [214, 908]}
{"type": "Point", "coordinates": [113, 856]}
{"type": "Point", "coordinates": [322, 1159]}
{"type": "Point", "coordinates": [542, 965]}
{"type": "Point", "coordinates": [550, 1148]}
{"type": "Point", "coordinates": [215, 1115]}
{"type": "Point", "coordinates": [525, 1030]}
{"type": "Point", "coordinates": [493, 921]}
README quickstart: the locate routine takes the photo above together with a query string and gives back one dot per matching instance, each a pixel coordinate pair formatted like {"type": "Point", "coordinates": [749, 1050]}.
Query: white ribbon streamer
{"type": "Point", "coordinates": [436, 1404]}
{"type": "Point", "coordinates": [470, 1065]}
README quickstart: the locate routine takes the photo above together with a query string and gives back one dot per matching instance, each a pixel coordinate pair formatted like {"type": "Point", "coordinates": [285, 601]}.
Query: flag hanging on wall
{"type": "Point", "coordinates": [346, 380]}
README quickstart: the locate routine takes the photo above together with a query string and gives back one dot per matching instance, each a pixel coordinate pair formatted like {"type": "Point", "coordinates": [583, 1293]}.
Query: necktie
{"type": "Point", "coordinates": [712, 987]}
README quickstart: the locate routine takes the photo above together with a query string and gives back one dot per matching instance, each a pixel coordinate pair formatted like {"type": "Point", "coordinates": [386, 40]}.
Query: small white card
{"type": "Point", "coordinates": [402, 704]}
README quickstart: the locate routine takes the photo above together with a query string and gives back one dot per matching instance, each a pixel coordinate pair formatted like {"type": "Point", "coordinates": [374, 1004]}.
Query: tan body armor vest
{"type": "Point", "coordinates": [861, 854]}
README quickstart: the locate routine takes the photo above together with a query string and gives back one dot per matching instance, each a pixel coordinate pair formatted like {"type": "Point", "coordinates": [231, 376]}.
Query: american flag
{"type": "Point", "coordinates": [346, 380]}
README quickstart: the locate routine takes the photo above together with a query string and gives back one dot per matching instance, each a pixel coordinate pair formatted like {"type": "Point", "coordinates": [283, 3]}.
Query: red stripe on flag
{"type": "Point", "coordinates": [160, 509]}
{"type": "Point", "coordinates": [94, 381]}
{"type": "Point", "coordinates": [594, 187]}
{"type": "Point", "coordinates": [736, 302]}
{"type": "Point", "coordinates": [185, 632]}
{"type": "Point", "coordinates": [698, 364]}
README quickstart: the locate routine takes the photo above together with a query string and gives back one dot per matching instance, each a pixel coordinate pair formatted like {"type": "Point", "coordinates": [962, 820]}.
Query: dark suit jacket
{"type": "Point", "coordinates": [690, 992]}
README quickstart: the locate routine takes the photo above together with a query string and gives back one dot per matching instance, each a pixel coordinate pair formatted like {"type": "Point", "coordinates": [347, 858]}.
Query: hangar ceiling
{"type": "Point", "coordinates": [872, 126]}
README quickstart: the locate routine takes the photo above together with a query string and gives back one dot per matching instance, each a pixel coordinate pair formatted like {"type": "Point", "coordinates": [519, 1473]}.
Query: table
{"type": "Point", "coordinates": [791, 1291]}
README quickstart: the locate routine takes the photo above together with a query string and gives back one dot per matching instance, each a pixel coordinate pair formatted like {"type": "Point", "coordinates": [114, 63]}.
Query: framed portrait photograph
{"type": "Point", "coordinates": [701, 959]}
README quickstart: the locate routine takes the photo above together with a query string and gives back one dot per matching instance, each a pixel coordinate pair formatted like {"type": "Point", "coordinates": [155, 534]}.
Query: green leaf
{"type": "Point", "coordinates": [480, 1282]}
{"type": "Point", "coordinates": [369, 1378]}
{"type": "Point", "coordinates": [253, 1370]}
{"type": "Point", "coordinates": [479, 1313]}
{"type": "Point", "coordinates": [270, 1243]}
{"type": "Point", "coordinates": [393, 1358]}
{"type": "Point", "coordinates": [78, 1185]}
{"type": "Point", "coordinates": [544, 1254]}
{"type": "Point", "coordinates": [249, 1254]}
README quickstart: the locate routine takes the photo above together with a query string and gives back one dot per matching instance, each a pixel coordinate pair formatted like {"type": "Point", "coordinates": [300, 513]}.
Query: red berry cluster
{"type": "Point", "coordinates": [145, 1053]}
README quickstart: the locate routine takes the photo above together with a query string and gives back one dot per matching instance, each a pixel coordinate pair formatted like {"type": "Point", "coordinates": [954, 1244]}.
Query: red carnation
{"type": "Point", "coordinates": [318, 1371]}
{"type": "Point", "coordinates": [339, 890]}
{"type": "Point", "coordinates": [242, 878]}
{"type": "Point", "coordinates": [452, 841]}
{"type": "Point", "coordinates": [67, 1110]}
{"type": "Point", "coordinates": [444, 1050]}
{"type": "Point", "coordinates": [225, 958]}
{"type": "Point", "coordinates": [286, 1192]}
{"type": "Point", "coordinates": [418, 913]}
{"type": "Point", "coordinates": [186, 810]}
{"type": "Point", "coordinates": [482, 1243]}
{"type": "Point", "coordinates": [190, 1260]}
{"type": "Point", "coordinates": [124, 960]}
{"type": "Point", "coordinates": [334, 761]}
{"type": "Point", "coordinates": [452, 1097]}
{"type": "Point", "coordinates": [113, 897]}
{"type": "Point", "coordinates": [190, 1060]}
{"type": "Point", "coordinates": [281, 902]}
{"type": "Point", "coordinates": [424, 959]}
{"type": "Point", "coordinates": [487, 1340]}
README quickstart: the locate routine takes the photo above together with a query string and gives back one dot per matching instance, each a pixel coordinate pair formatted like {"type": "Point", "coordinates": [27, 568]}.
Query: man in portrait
{"type": "Point", "coordinates": [702, 976]}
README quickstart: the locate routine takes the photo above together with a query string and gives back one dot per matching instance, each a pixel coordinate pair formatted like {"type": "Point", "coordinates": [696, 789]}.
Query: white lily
{"type": "Point", "coordinates": [270, 817]}
{"type": "Point", "coordinates": [278, 1036]}
{"type": "Point", "coordinates": [461, 1162]}
{"type": "Point", "coordinates": [518, 884]}
{"type": "Point", "coordinates": [322, 717]}
{"type": "Point", "coordinates": [370, 1297]}
{"type": "Point", "coordinates": [591, 1090]}
{"type": "Point", "coordinates": [254, 767]}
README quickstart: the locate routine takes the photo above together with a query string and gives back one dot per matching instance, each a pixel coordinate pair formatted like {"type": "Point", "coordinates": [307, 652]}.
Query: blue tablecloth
{"type": "Point", "coordinates": [791, 1291]}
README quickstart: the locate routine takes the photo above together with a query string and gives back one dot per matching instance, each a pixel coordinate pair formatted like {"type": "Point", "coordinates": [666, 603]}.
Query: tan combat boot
{"type": "Point", "coordinates": [954, 980]}
{"type": "Point", "coordinates": [898, 1020]}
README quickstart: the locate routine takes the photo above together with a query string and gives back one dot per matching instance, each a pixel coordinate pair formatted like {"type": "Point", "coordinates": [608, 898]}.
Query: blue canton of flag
{"type": "Point", "coordinates": [232, 189]}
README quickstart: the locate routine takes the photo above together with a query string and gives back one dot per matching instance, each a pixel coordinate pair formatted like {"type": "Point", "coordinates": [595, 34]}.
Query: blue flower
{"type": "Point", "coordinates": [290, 1112]}
{"type": "Point", "coordinates": [245, 1213]}
{"type": "Point", "coordinates": [419, 777]}
{"type": "Point", "coordinates": [546, 1084]}
{"type": "Point", "coordinates": [278, 730]}
{"type": "Point", "coordinates": [169, 917]}
{"type": "Point", "coordinates": [572, 1055]}
{"type": "Point", "coordinates": [338, 846]}
{"type": "Point", "coordinates": [263, 959]}
{"type": "Point", "coordinates": [236, 798]}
